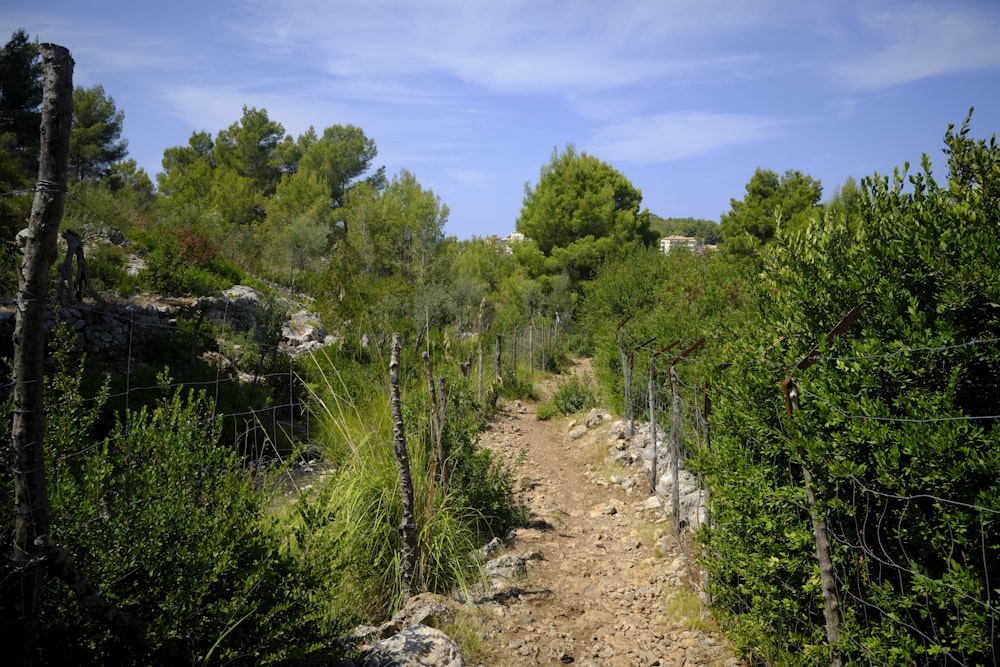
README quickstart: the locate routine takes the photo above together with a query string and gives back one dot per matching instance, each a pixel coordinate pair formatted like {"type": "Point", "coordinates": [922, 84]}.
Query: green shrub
{"type": "Point", "coordinates": [174, 530]}
{"type": "Point", "coordinates": [107, 265]}
{"type": "Point", "coordinates": [571, 396]}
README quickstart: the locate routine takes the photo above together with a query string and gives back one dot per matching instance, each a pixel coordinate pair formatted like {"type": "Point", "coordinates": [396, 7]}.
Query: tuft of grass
{"type": "Point", "coordinates": [685, 607]}
{"type": "Point", "coordinates": [469, 629]}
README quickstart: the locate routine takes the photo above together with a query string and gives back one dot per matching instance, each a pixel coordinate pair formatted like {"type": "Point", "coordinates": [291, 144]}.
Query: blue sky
{"type": "Point", "coordinates": [686, 98]}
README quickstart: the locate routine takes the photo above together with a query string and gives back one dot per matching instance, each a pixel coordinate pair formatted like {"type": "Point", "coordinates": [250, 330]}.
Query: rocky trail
{"type": "Point", "coordinates": [596, 578]}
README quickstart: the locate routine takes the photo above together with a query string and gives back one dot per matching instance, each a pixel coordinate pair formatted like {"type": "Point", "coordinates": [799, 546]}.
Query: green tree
{"type": "Point", "coordinates": [845, 204]}
{"type": "Point", "coordinates": [792, 198]}
{"type": "Point", "coordinates": [250, 148]}
{"type": "Point", "coordinates": [20, 101]}
{"type": "Point", "coordinates": [95, 142]}
{"type": "Point", "coordinates": [580, 212]}
{"type": "Point", "coordinates": [186, 178]}
{"type": "Point", "coordinates": [393, 247]}
{"type": "Point", "coordinates": [339, 158]}
{"type": "Point", "coordinates": [704, 229]}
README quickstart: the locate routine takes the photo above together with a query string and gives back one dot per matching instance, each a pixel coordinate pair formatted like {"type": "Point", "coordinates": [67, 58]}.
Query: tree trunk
{"type": "Point", "coordinates": [433, 416]}
{"type": "Point", "coordinates": [628, 392]}
{"type": "Point", "coordinates": [531, 350]}
{"type": "Point", "coordinates": [31, 503]}
{"type": "Point", "coordinates": [479, 393]}
{"type": "Point", "coordinates": [442, 420]}
{"type": "Point", "coordinates": [828, 582]}
{"type": "Point", "coordinates": [497, 358]}
{"type": "Point", "coordinates": [651, 398]}
{"type": "Point", "coordinates": [675, 448]}
{"type": "Point", "coordinates": [513, 355]}
{"type": "Point", "coordinates": [627, 384]}
{"type": "Point", "coordinates": [408, 522]}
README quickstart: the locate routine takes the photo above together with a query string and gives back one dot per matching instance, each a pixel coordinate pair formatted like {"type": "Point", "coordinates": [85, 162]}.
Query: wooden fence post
{"type": "Point", "coordinates": [828, 581]}
{"type": "Point", "coordinates": [675, 448]}
{"type": "Point", "coordinates": [531, 349]}
{"type": "Point", "coordinates": [479, 369]}
{"type": "Point", "coordinates": [497, 357]}
{"type": "Point", "coordinates": [408, 522]}
{"type": "Point", "coordinates": [31, 501]}
{"type": "Point", "coordinates": [626, 379]}
{"type": "Point", "coordinates": [651, 398]}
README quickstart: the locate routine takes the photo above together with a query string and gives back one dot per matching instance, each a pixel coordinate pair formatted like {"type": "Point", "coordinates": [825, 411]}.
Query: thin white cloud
{"type": "Point", "coordinates": [516, 46]}
{"type": "Point", "coordinates": [918, 41]}
{"type": "Point", "coordinates": [677, 136]}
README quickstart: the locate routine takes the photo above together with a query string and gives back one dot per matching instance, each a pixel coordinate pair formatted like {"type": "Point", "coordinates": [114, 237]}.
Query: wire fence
{"type": "Point", "coordinates": [927, 596]}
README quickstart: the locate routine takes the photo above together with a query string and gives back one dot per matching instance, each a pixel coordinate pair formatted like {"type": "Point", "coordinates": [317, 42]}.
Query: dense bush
{"type": "Point", "coordinates": [571, 396]}
{"type": "Point", "coordinates": [107, 267]}
{"type": "Point", "coordinates": [897, 426]}
{"type": "Point", "coordinates": [177, 533]}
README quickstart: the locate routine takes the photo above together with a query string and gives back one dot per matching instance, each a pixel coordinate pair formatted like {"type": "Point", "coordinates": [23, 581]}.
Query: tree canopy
{"type": "Point", "coordinates": [792, 198]}
{"type": "Point", "coordinates": [581, 212]}
{"type": "Point", "coordinates": [96, 141]}
{"type": "Point", "coordinates": [696, 227]}
{"type": "Point", "coordinates": [20, 100]}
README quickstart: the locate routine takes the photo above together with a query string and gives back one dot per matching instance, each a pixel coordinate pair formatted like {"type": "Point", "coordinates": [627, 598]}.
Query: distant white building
{"type": "Point", "coordinates": [506, 241]}
{"type": "Point", "coordinates": [690, 243]}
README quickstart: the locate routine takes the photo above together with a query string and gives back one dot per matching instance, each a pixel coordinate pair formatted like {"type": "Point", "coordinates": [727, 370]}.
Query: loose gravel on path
{"type": "Point", "coordinates": [606, 583]}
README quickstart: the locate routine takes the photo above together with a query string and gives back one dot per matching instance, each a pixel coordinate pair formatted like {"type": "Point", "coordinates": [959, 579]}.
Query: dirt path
{"type": "Point", "coordinates": [605, 582]}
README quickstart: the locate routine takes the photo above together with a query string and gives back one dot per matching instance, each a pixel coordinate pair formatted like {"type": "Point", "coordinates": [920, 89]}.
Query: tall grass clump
{"type": "Point", "coordinates": [356, 542]}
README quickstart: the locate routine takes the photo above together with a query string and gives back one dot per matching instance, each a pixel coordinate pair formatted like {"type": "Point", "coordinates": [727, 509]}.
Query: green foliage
{"type": "Point", "coordinates": [790, 200]}
{"type": "Point", "coordinates": [580, 212]}
{"type": "Point", "coordinates": [247, 148]}
{"type": "Point", "coordinates": [185, 262]}
{"type": "Point", "coordinates": [20, 118]}
{"type": "Point", "coordinates": [174, 530]}
{"type": "Point", "coordinates": [891, 425]}
{"type": "Point", "coordinates": [571, 396]}
{"type": "Point", "coordinates": [338, 158]}
{"type": "Point", "coordinates": [95, 142]}
{"type": "Point", "coordinates": [393, 250]}
{"type": "Point", "coordinates": [665, 298]}
{"type": "Point", "coordinates": [704, 229]}
{"type": "Point", "coordinates": [108, 268]}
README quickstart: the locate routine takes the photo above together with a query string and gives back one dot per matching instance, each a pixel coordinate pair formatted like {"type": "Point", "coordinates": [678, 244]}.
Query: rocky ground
{"type": "Point", "coordinates": [605, 582]}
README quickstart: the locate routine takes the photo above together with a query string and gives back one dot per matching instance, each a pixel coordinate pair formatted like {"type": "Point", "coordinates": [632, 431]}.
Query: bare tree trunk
{"type": "Point", "coordinates": [408, 522]}
{"type": "Point", "coordinates": [479, 394]}
{"type": "Point", "coordinates": [531, 350]}
{"type": "Point", "coordinates": [675, 448]}
{"type": "Point", "coordinates": [74, 250]}
{"type": "Point", "coordinates": [31, 503]}
{"type": "Point", "coordinates": [828, 582]}
{"type": "Point", "coordinates": [434, 418]}
{"type": "Point", "coordinates": [442, 420]}
{"type": "Point", "coordinates": [628, 392]}
{"type": "Point", "coordinates": [651, 398]}
{"type": "Point", "coordinates": [513, 355]}
{"type": "Point", "coordinates": [497, 357]}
